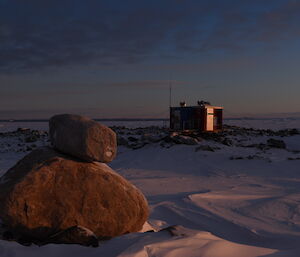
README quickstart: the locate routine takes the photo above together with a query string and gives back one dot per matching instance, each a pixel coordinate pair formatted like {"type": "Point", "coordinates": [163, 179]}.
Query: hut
{"type": "Point", "coordinates": [202, 117]}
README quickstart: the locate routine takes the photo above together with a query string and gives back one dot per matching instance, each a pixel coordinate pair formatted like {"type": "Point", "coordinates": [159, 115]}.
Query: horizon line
{"type": "Point", "coordinates": [149, 119]}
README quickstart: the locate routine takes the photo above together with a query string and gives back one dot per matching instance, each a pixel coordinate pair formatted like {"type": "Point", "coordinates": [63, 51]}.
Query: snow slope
{"type": "Point", "coordinates": [221, 206]}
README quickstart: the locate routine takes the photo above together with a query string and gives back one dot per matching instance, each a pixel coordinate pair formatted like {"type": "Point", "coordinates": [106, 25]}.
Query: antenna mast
{"type": "Point", "coordinates": [170, 93]}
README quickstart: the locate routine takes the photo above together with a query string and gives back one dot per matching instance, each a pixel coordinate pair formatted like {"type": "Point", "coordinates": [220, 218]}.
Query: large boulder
{"type": "Point", "coordinates": [47, 192]}
{"type": "Point", "coordinates": [82, 137]}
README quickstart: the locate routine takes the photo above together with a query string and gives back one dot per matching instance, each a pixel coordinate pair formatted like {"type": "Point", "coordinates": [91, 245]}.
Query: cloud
{"type": "Point", "coordinates": [260, 22]}
{"type": "Point", "coordinates": [41, 34]}
{"type": "Point", "coordinates": [216, 65]}
{"type": "Point", "coordinates": [37, 94]}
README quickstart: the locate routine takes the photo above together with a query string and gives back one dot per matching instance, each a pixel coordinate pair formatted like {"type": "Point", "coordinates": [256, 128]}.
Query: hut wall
{"type": "Point", "coordinates": [196, 118]}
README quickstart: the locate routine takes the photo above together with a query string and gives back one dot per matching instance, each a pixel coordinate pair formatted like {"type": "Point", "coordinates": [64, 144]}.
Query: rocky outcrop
{"type": "Point", "coordinates": [47, 192]}
{"type": "Point", "coordinates": [83, 138]}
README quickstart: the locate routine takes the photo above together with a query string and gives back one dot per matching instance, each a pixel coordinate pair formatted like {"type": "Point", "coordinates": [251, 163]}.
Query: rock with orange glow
{"type": "Point", "coordinates": [47, 192]}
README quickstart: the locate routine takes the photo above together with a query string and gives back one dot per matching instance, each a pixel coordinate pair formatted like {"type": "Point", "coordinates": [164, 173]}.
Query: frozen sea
{"type": "Point", "coordinates": [260, 123]}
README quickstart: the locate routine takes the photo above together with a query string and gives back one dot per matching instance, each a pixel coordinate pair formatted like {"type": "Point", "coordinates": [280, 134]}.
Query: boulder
{"type": "Point", "coordinates": [47, 192]}
{"type": "Point", "coordinates": [83, 138]}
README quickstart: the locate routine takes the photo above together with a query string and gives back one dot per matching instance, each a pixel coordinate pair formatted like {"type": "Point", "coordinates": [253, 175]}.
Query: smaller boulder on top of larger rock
{"type": "Point", "coordinates": [83, 138]}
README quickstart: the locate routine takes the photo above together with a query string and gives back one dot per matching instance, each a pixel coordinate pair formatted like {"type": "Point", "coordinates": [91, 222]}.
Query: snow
{"type": "Point", "coordinates": [221, 206]}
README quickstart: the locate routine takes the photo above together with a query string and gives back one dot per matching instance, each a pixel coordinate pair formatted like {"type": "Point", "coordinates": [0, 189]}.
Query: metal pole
{"type": "Point", "coordinates": [170, 101]}
{"type": "Point", "coordinates": [170, 94]}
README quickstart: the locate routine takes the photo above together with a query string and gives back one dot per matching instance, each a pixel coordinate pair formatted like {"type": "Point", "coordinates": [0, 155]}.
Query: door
{"type": "Point", "coordinates": [209, 119]}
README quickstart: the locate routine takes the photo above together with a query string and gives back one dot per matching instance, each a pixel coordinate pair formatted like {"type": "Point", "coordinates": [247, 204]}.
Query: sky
{"type": "Point", "coordinates": [116, 59]}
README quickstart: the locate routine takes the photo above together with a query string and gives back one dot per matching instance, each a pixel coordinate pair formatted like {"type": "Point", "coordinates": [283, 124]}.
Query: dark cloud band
{"type": "Point", "coordinates": [40, 34]}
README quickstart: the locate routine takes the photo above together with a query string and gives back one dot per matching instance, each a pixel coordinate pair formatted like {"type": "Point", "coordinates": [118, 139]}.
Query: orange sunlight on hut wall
{"type": "Point", "coordinates": [203, 117]}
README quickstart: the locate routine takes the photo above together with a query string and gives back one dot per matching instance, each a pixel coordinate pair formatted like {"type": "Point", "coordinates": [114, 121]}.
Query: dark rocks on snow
{"type": "Point", "coordinates": [74, 235]}
{"type": "Point", "coordinates": [227, 141]}
{"type": "Point", "coordinates": [206, 148]}
{"type": "Point", "coordinates": [122, 141]}
{"type": "Point", "coordinates": [132, 139]}
{"type": "Point", "coordinates": [230, 136]}
{"type": "Point", "coordinates": [23, 130]}
{"type": "Point", "coordinates": [166, 144]}
{"type": "Point", "coordinates": [271, 143]}
{"type": "Point", "coordinates": [176, 138]}
{"type": "Point", "coordinates": [260, 146]}
{"type": "Point", "coordinates": [236, 157]}
{"type": "Point", "coordinates": [31, 139]}
{"type": "Point", "coordinates": [274, 143]}
{"type": "Point", "coordinates": [249, 157]}
{"type": "Point", "coordinates": [293, 159]}
{"type": "Point", "coordinates": [21, 140]}
{"type": "Point", "coordinates": [47, 192]}
{"type": "Point", "coordinates": [152, 138]}
{"type": "Point", "coordinates": [176, 230]}
{"type": "Point", "coordinates": [83, 138]}
{"type": "Point", "coordinates": [137, 145]}
{"type": "Point", "coordinates": [186, 140]}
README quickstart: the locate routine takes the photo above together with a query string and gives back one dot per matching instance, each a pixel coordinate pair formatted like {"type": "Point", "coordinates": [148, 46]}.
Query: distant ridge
{"type": "Point", "coordinates": [117, 119]}
{"type": "Point", "coordinates": [156, 119]}
{"type": "Point", "coordinates": [262, 118]}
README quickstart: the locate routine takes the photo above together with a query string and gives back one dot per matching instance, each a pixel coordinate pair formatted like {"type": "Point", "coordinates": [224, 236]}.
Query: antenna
{"type": "Point", "coordinates": [170, 101]}
{"type": "Point", "coordinates": [170, 92]}
{"type": "Point", "coordinates": [170, 97]}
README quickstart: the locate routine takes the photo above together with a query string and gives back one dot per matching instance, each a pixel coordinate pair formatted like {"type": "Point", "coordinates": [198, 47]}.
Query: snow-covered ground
{"type": "Point", "coordinates": [211, 199]}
